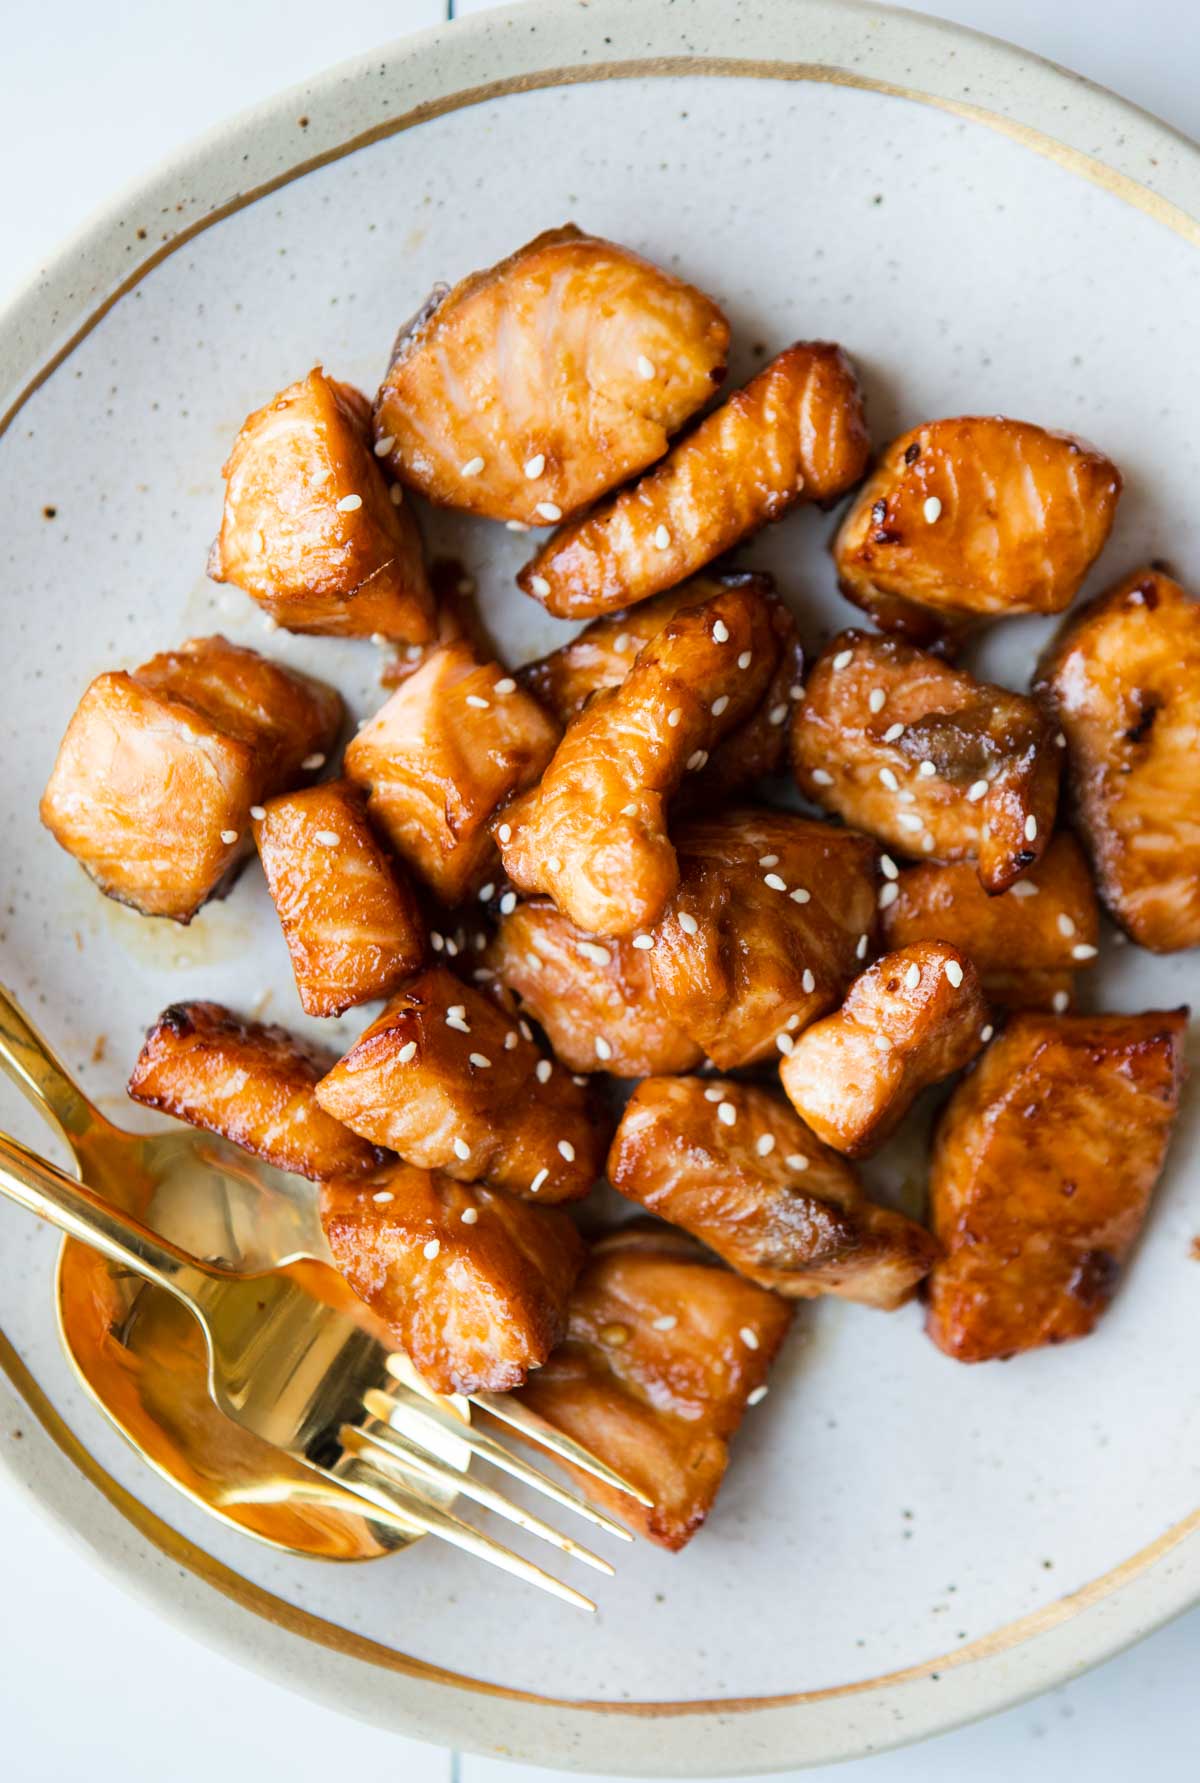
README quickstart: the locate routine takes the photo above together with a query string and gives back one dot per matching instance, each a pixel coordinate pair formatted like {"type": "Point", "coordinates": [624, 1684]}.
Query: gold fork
{"type": "Point", "coordinates": [292, 1359]}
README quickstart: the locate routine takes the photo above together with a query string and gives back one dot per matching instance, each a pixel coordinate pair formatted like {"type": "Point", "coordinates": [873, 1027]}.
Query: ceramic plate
{"type": "Point", "coordinates": [902, 1543]}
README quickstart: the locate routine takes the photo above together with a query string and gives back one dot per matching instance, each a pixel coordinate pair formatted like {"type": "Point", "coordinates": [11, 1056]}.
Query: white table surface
{"type": "Point", "coordinates": [91, 1684]}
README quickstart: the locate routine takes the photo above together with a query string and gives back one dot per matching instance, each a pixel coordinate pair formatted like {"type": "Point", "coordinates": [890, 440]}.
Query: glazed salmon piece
{"type": "Point", "coordinates": [794, 433]}
{"type": "Point", "coordinates": [596, 999]}
{"type": "Point", "coordinates": [532, 388]}
{"type": "Point", "coordinates": [311, 529]}
{"type": "Point", "coordinates": [734, 1166]}
{"type": "Point", "coordinates": [348, 914]}
{"type": "Point", "coordinates": [1046, 1158]}
{"type": "Point", "coordinates": [1026, 944]}
{"type": "Point", "coordinates": [593, 835]}
{"type": "Point", "coordinates": [452, 744]}
{"type": "Point", "coordinates": [602, 654]}
{"type": "Point", "coordinates": [152, 788]}
{"type": "Point", "coordinates": [656, 1373]}
{"type": "Point", "coordinates": [770, 919]}
{"type": "Point", "coordinates": [1123, 681]}
{"type": "Point", "coordinates": [457, 620]}
{"type": "Point", "coordinates": [913, 1018]}
{"type": "Point", "coordinates": [252, 1083]}
{"type": "Point", "coordinates": [453, 1083]}
{"type": "Point", "coordinates": [472, 1283]}
{"type": "Point", "coordinates": [927, 758]}
{"type": "Point", "coordinates": [973, 519]}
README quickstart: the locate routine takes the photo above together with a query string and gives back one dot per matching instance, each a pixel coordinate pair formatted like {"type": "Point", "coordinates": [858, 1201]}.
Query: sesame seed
{"type": "Point", "coordinates": [542, 1070]}
{"type": "Point", "coordinates": [472, 467]}
{"type": "Point", "coordinates": [1082, 951]}
{"type": "Point", "coordinates": [757, 1397]}
{"type": "Point", "coordinates": [714, 1093]}
{"type": "Point", "coordinates": [1024, 888]}
{"type": "Point", "coordinates": [674, 715]}
{"type": "Point", "coordinates": [808, 983]}
{"type": "Point", "coordinates": [796, 1161]}
{"type": "Point", "coordinates": [860, 951]}
{"type": "Point", "coordinates": [526, 1030]}
{"type": "Point", "coordinates": [822, 777]}
{"type": "Point", "coordinates": [801, 895]}
{"type": "Point", "coordinates": [538, 1180]}
{"type": "Point", "coordinates": [436, 941]}
{"type": "Point", "coordinates": [539, 585]}
{"type": "Point", "coordinates": [662, 539]}
{"type": "Point", "coordinates": [506, 684]}
{"type": "Point", "coordinates": [486, 892]}
{"type": "Point", "coordinates": [726, 1113]}
{"type": "Point", "coordinates": [876, 699]}
{"type": "Point", "coordinates": [508, 903]}
{"type": "Point", "coordinates": [893, 733]}
{"type": "Point", "coordinates": [516, 526]}
{"type": "Point", "coordinates": [843, 659]}
{"type": "Point", "coordinates": [745, 659]}
{"type": "Point", "coordinates": [458, 1024]}
{"type": "Point", "coordinates": [888, 894]}
{"type": "Point", "coordinates": [469, 1216]}
{"type": "Point", "coordinates": [554, 864]}
{"type": "Point", "coordinates": [1060, 1001]}
{"type": "Point", "coordinates": [257, 813]}
{"type": "Point", "coordinates": [510, 1040]}
{"type": "Point", "coordinates": [380, 638]}
{"type": "Point", "coordinates": [954, 973]}
{"type": "Point", "coordinates": [928, 844]}
{"type": "Point", "coordinates": [986, 1032]}
{"type": "Point", "coordinates": [328, 838]}
{"type": "Point", "coordinates": [881, 1043]}
{"type": "Point", "coordinates": [504, 833]}
{"type": "Point", "coordinates": [785, 1043]}
{"type": "Point", "coordinates": [535, 466]}
{"type": "Point", "coordinates": [912, 977]}
{"type": "Point", "coordinates": [477, 700]}
{"type": "Point", "coordinates": [312, 762]}
{"type": "Point", "coordinates": [431, 1249]}
{"type": "Point", "coordinates": [764, 1145]}
{"type": "Point", "coordinates": [645, 368]}
{"type": "Point", "coordinates": [592, 950]}
{"type": "Point", "coordinates": [407, 1051]}
{"type": "Point", "coordinates": [721, 632]}
{"type": "Point", "coordinates": [396, 495]}
{"type": "Point", "coordinates": [383, 1196]}
{"type": "Point", "coordinates": [768, 860]}
{"type": "Point", "coordinates": [349, 503]}
{"type": "Point", "coordinates": [777, 714]}
{"type": "Point", "coordinates": [451, 946]}
{"type": "Point", "coordinates": [775, 882]}
{"type": "Point", "coordinates": [977, 790]}
{"type": "Point", "coordinates": [688, 923]}
{"type": "Point", "coordinates": [908, 820]}
{"type": "Point", "coordinates": [1065, 925]}
{"type": "Point", "coordinates": [749, 1337]}
{"type": "Point", "coordinates": [384, 444]}
{"type": "Point", "coordinates": [666, 1321]}
{"type": "Point", "coordinates": [629, 810]}
{"type": "Point", "coordinates": [697, 759]}
{"type": "Point", "coordinates": [1060, 741]}
{"type": "Point", "coordinates": [643, 943]}
{"type": "Point", "coordinates": [1031, 828]}
{"type": "Point", "coordinates": [719, 705]}
{"type": "Point", "coordinates": [603, 1049]}
{"type": "Point", "coordinates": [480, 1061]}
{"type": "Point", "coordinates": [462, 1149]}
{"type": "Point", "coordinates": [549, 510]}
{"type": "Point", "coordinates": [932, 509]}
{"type": "Point", "coordinates": [889, 780]}
{"type": "Point", "coordinates": [888, 867]}
{"type": "Point", "coordinates": [229, 837]}
{"type": "Point", "coordinates": [623, 643]}
{"type": "Point", "coordinates": [926, 770]}
{"type": "Point", "coordinates": [566, 1150]}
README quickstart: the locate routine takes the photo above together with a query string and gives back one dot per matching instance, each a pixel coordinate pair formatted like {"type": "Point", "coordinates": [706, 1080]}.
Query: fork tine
{"type": "Point", "coordinates": [405, 1454]}
{"type": "Point", "coordinates": [368, 1481]}
{"type": "Point", "coordinates": [565, 1447]}
{"type": "Point", "coordinates": [495, 1453]}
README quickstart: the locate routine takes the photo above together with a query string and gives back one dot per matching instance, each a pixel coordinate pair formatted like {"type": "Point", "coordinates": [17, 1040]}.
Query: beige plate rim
{"type": "Point", "coordinates": [1093, 134]}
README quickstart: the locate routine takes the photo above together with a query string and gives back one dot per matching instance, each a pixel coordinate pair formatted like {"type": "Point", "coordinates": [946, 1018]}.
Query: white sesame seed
{"type": "Point", "coordinates": [396, 495]}
{"type": "Point", "coordinates": [645, 368]}
{"type": "Point", "coordinates": [928, 844]}
{"type": "Point", "coordinates": [1060, 741]}
{"type": "Point", "coordinates": [907, 797]}
{"type": "Point", "coordinates": [888, 867]}
{"type": "Point", "coordinates": [538, 1180]}
{"type": "Point", "coordinates": [407, 1051]}
{"type": "Point", "coordinates": [603, 1049]}
{"type": "Point", "coordinates": [697, 760]}
{"type": "Point", "coordinates": [843, 659]}
{"type": "Point", "coordinates": [592, 950]}
{"type": "Point", "coordinates": [643, 943]}
{"type": "Point", "coordinates": [349, 503]}
{"type": "Point", "coordinates": [257, 812]}
{"type": "Point", "coordinates": [1065, 925]}
{"type": "Point", "coordinates": [549, 510]}
{"type": "Point", "coordinates": [534, 466]}
{"type": "Point", "coordinates": [526, 1030]}
{"type": "Point", "coordinates": [328, 838]}
{"type": "Point", "coordinates": [721, 632]}
{"type": "Point", "coordinates": [629, 810]}
{"type": "Point", "coordinates": [926, 770]}
{"type": "Point", "coordinates": [566, 1150]}
{"type": "Point", "coordinates": [542, 1070]}
{"type": "Point", "coordinates": [1031, 828]}
{"type": "Point", "coordinates": [688, 923]}
{"type": "Point", "coordinates": [1024, 888]}
{"type": "Point", "coordinates": [458, 1024]}
{"type": "Point", "coordinates": [456, 1011]}
{"type": "Point", "coordinates": [462, 1149]}
{"type": "Point", "coordinates": [954, 973]}
{"type": "Point", "coordinates": [451, 946]}
{"type": "Point", "coordinates": [808, 983]}
{"type": "Point", "coordinates": [662, 539]}
{"type": "Point", "coordinates": [893, 733]}
{"type": "Point", "coordinates": [472, 467]}
{"type": "Point", "coordinates": [1060, 1001]}
{"type": "Point", "coordinates": [380, 638]}
{"type": "Point", "coordinates": [801, 895]}
{"type": "Point", "coordinates": [877, 699]}
{"type": "Point", "coordinates": [777, 714]}
{"type": "Point", "coordinates": [888, 894]}
{"type": "Point", "coordinates": [796, 1161]}
{"type": "Point", "coordinates": [384, 444]}
{"type": "Point", "coordinates": [749, 1337]}
{"type": "Point", "coordinates": [506, 684]}
{"type": "Point", "coordinates": [674, 715]}
{"type": "Point", "coordinates": [666, 1321]}
{"type": "Point", "coordinates": [775, 882]}
{"type": "Point", "coordinates": [510, 1040]}
{"type": "Point", "coordinates": [623, 643]}
{"type": "Point", "coordinates": [764, 1145]}
{"type": "Point", "coordinates": [431, 1249]}
{"type": "Point", "coordinates": [881, 1043]}
{"type": "Point", "coordinates": [229, 837]}
{"type": "Point", "coordinates": [768, 860]}
{"type": "Point", "coordinates": [977, 790]}
{"type": "Point", "coordinates": [487, 892]}
{"type": "Point", "coordinates": [554, 864]}
{"type": "Point", "coordinates": [889, 780]}
{"type": "Point", "coordinates": [912, 977]}
{"type": "Point", "coordinates": [1082, 951]}
{"type": "Point", "coordinates": [469, 1216]}
{"type": "Point", "coordinates": [860, 951]}
{"type": "Point", "coordinates": [480, 1061]}
{"type": "Point", "coordinates": [719, 705]}
{"type": "Point", "coordinates": [383, 1196]}
{"type": "Point", "coordinates": [908, 820]}
{"type": "Point", "coordinates": [932, 509]}
{"type": "Point", "coordinates": [436, 941]}
{"type": "Point", "coordinates": [477, 700]}
{"type": "Point", "coordinates": [508, 903]}
{"type": "Point", "coordinates": [539, 585]}
{"type": "Point", "coordinates": [785, 1043]}
{"type": "Point", "coordinates": [986, 1032]}
{"type": "Point", "coordinates": [726, 1113]}
{"type": "Point", "coordinates": [714, 1093]}
{"type": "Point", "coordinates": [516, 525]}
{"type": "Point", "coordinates": [745, 659]}
{"type": "Point", "coordinates": [757, 1396]}
{"type": "Point", "coordinates": [822, 777]}
{"type": "Point", "coordinates": [504, 833]}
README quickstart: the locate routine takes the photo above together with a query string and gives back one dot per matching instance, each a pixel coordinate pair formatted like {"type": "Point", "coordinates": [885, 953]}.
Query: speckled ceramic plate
{"type": "Point", "coordinates": [902, 1543]}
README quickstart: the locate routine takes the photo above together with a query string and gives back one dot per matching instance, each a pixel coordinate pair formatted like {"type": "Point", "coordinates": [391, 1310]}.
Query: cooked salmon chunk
{"type": "Point", "coordinates": [770, 918]}
{"type": "Point", "coordinates": [1026, 944]}
{"type": "Point", "coordinates": [531, 388]}
{"type": "Point", "coordinates": [457, 620]}
{"type": "Point", "coordinates": [911, 1019]}
{"type": "Point", "coordinates": [971, 519]}
{"type": "Point", "coordinates": [734, 1166]}
{"type": "Point", "coordinates": [456, 1085]}
{"type": "Point", "coordinates": [596, 999]}
{"type": "Point", "coordinates": [349, 917]}
{"type": "Point", "coordinates": [311, 528]}
{"type": "Point", "coordinates": [794, 433]}
{"type": "Point", "coordinates": [1123, 681]}
{"type": "Point", "coordinates": [472, 1283]}
{"type": "Point", "coordinates": [1045, 1161]}
{"type": "Point", "coordinates": [158, 770]}
{"type": "Point", "coordinates": [664, 1352]}
{"type": "Point", "coordinates": [927, 758]}
{"type": "Point", "coordinates": [593, 834]}
{"type": "Point", "coordinates": [453, 742]}
{"type": "Point", "coordinates": [252, 1083]}
{"type": "Point", "coordinates": [602, 654]}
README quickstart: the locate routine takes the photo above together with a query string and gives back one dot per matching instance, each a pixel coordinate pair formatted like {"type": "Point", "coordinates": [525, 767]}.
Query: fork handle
{"type": "Point", "coordinates": [35, 1070]}
{"type": "Point", "coordinates": [42, 1189]}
